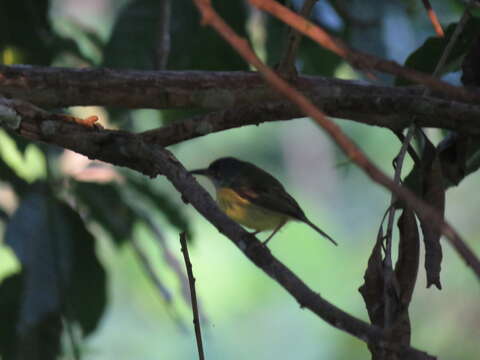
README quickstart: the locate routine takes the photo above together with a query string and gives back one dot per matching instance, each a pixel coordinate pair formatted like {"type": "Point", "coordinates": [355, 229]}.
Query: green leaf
{"type": "Point", "coordinates": [62, 276]}
{"type": "Point", "coordinates": [103, 203]}
{"type": "Point", "coordinates": [426, 57]}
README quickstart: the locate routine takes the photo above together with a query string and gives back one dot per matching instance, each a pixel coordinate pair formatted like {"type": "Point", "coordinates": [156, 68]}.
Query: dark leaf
{"type": "Point", "coordinates": [8, 175]}
{"type": "Point", "coordinates": [193, 46]}
{"type": "Point", "coordinates": [406, 268]}
{"type": "Point", "coordinates": [372, 288]}
{"type": "Point", "coordinates": [427, 180]}
{"type": "Point", "coordinates": [426, 57]}
{"type": "Point", "coordinates": [10, 300]}
{"type": "Point", "coordinates": [198, 47]}
{"type": "Point", "coordinates": [87, 295]}
{"type": "Point", "coordinates": [471, 65]}
{"type": "Point", "coordinates": [133, 41]}
{"type": "Point", "coordinates": [62, 276]}
{"type": "Point", "coordinates": [103, 203]}
{"type": "Point", "coordinates": [434, 194]}
{"type": "Point", "coordinates": [27, 40]}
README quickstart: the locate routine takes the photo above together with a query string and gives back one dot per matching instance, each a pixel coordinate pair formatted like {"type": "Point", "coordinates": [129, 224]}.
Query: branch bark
{"type": "Point", "coordinates": [383, 106]}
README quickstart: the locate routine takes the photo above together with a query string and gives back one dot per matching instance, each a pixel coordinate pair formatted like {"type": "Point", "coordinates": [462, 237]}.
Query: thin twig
{"type": "Point", "coordinates": [193, 295]}
{"type": "Point", "coordinates": [433, 18]}
{"type": "Point", "coordinates": [210, 17]}
{"type": "Point", "coordinates": [358, 59]}
{"type": "Point", "coordinates": [287, 63]}
{"type": "Point", "coordinates": [163, 35]}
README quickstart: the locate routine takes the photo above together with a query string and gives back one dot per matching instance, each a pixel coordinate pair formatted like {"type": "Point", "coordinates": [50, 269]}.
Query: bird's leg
{"type": "Point", "coordinates": [279, 226]}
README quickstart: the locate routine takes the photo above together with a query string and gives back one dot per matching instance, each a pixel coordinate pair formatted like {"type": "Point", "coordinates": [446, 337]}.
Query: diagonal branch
{"type": "Point", "coordinates": [125, 149]}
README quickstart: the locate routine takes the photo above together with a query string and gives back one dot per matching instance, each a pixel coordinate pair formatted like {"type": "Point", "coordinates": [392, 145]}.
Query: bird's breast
{"type": "Point", "coordinates": [246, 213]}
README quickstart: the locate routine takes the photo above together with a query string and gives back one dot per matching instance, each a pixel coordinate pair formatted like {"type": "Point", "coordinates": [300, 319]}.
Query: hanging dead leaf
{"type": "Point", "coordinates": [434, 194]}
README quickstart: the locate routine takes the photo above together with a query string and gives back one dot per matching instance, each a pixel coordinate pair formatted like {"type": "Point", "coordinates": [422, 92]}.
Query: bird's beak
{"type": "Point", "coordinates": [203, 172]}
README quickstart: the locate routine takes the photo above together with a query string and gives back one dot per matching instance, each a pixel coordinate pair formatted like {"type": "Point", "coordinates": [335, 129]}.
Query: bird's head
{"type": "Point", "coordinates": [223, 172]}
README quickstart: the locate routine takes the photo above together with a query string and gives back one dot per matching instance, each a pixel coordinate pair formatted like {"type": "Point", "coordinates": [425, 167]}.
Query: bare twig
{"type": "Point", "coordinates": [191, 280]}
{"type": "Point", "coordinates": [359, 59]}
{"type": "Point", "coordinates": [287, 63]}
{"type": "Point", "coordinates": [433, 18]}
{"type": "Point", "coordinates": [210, 17]}
{"type": "Point", "coordinates": [163, 35]}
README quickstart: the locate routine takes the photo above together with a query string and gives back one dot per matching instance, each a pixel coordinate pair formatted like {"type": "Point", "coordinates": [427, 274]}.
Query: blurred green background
{"type": "Point", "coordinates": [245, 314]}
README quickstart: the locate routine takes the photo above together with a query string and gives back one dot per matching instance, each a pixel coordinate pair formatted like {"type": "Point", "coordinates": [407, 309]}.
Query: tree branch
{"type": "Point", "coordinates": [125, 149]}
{"type": "Point", "coordinates": [383, 106]}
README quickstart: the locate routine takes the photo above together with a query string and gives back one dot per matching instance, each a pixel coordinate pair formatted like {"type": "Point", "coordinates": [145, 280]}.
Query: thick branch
{"type": "Point", "coordinates": [374, 105]}
{"type": "Point", "coordinates": [126, 149]}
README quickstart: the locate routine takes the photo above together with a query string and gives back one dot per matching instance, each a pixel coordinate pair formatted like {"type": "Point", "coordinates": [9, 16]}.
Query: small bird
{"type": "Point", "coordinates": [253, 197]}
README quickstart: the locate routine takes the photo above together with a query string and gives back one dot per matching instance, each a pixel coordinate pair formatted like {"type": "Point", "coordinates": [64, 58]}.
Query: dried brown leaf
{"type": "Point", "coordinates": [434, 194]}
{"type": "Point", "coordinates": [406, 268]}
{"type": "Point", "coordinates": [372, 288]}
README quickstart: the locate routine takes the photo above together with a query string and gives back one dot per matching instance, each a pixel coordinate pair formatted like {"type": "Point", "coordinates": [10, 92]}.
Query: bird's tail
{"type": "Point", "coordinates": [320, 231]}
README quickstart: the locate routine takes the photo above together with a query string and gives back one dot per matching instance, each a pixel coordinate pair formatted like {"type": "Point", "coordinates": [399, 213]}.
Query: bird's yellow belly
{"type": "Point", "coordinates": [247, 214]}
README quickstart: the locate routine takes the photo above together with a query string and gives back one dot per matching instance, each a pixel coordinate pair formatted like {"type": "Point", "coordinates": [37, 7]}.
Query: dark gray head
{"type": "Point", "coordinates": [224, 171]}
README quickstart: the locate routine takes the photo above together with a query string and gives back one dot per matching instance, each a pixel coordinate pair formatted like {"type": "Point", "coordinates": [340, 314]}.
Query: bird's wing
{"type": "Point", "coordinates": [273, 198]}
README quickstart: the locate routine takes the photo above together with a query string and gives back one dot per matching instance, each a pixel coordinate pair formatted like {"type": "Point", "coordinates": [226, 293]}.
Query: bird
{"type": "Point", "coordinates": [252, 197]}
